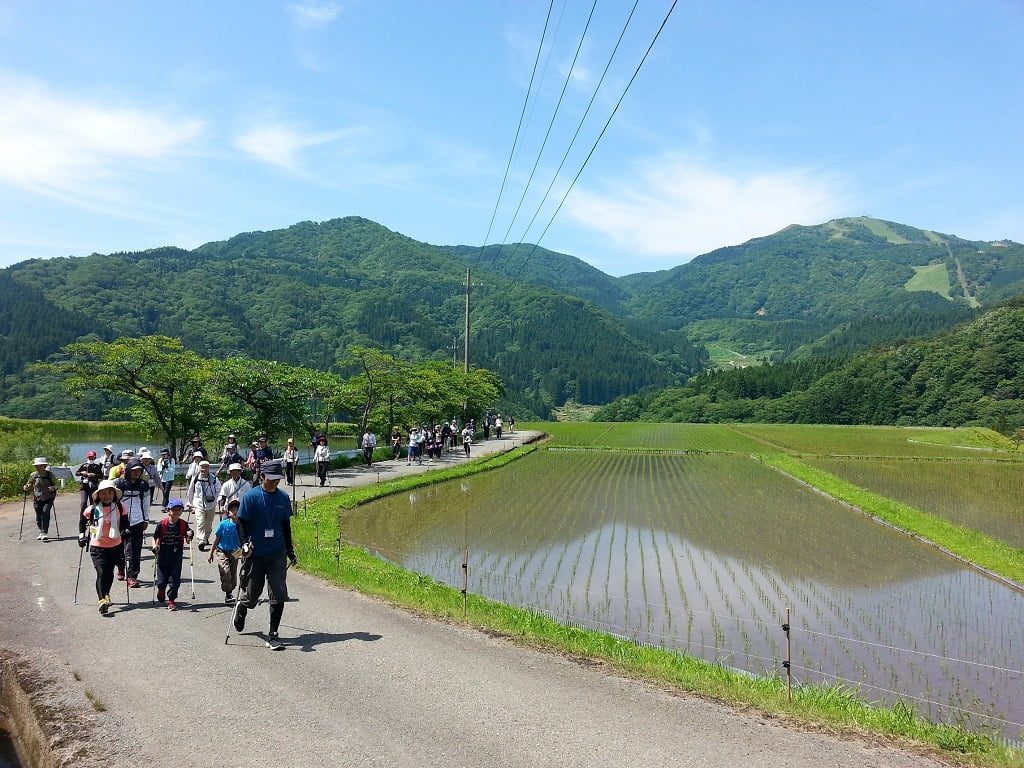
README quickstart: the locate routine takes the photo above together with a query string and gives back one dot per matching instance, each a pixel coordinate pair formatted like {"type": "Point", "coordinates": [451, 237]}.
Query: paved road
{"type": "Point", "coordinates": [360, 684]}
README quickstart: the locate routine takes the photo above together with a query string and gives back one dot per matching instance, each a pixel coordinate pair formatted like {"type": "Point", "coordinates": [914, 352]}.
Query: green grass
{"type": "Point", "coordinates": [934, 278]}
{"type": "Point", "coordinates": [834, 707]}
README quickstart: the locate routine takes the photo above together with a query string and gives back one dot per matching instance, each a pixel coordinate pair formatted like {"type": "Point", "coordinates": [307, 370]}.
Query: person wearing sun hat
{"type": "Point", "coordinates": [201, 498]}
{"type": "Point", "coordinates": [100, 528]}
{"type": "Point", "coordinates": [43, 485]}
{"type": "Point", "coordinates": [167, 469]}
{"type": "Point", "coordinates": [89, 474]}
{"type": "Point", "coordinates": [135, 499]}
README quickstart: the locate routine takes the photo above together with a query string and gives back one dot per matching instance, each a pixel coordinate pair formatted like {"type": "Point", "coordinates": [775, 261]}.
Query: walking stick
{"type": "Point", "coordinates": [191, 570]}
{"type": "Point", "coordinates": [53, 513]}
{"type": "Point", "coordinates": [81, 551]}
{"type": "Point", "coordinates": [24, 504]}
{"type": "Point", "coordinates": [154, 579]}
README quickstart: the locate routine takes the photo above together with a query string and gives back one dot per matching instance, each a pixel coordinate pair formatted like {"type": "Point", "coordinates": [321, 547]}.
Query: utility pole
{"type": "Point", "coordinates": [465, 358]}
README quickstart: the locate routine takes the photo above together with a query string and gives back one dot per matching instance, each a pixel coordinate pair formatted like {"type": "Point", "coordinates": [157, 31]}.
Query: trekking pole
{"type": "Point", "coordinates": [81, 551]}
{"type": "Point", "coordinates": [153, 601]}
{"type": "Point", "coordinates": [24, 504]}
{"type": "Point", "coordinates": [53, 513]}
{"type": "Point", "coordinates": [238, 600]}
{"type": "Point", "coordinates": [191, 570]}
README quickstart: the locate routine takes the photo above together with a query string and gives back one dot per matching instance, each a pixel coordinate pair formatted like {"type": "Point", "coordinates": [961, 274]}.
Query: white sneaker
{"type": "Point", "coordinates": [44, 537]}
{"type": "Point", "coordinates": [39, 537]}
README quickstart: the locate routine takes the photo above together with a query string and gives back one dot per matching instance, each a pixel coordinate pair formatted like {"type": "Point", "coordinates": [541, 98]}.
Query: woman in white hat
{"type": "Point", "coordinates": [43, 485]}
{"type": "Point", "coordinates": [101, 527]}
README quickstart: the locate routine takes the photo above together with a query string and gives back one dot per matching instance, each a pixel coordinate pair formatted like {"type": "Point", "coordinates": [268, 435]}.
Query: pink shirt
{"type": "Point", "coordinates": [100, 526]}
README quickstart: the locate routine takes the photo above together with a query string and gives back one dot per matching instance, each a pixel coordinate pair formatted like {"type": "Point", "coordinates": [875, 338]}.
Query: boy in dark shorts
{"type": "Point", "coordinates": [170, 537]}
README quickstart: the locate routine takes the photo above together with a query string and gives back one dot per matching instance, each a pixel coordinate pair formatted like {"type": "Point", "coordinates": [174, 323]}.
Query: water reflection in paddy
{"type": "Point", "coordinates": [704, 554]}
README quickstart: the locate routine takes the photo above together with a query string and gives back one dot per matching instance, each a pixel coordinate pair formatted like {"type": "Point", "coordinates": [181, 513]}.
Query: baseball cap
{"type": "Point", "coordinates": [90, 455]}
{"type": "Point", "coordinates": [272, 470]}
{"type": "Point", "coordinates": [175, 503]}
{"type": "Point", "coordinates": [235, 466]}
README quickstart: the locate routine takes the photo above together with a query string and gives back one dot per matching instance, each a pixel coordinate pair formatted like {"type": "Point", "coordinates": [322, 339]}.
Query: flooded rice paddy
{"type": "Point", "coordinates": [703, 554]}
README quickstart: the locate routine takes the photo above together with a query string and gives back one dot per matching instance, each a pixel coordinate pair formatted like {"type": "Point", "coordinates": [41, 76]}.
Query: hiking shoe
{"type": "Point", "coordinates": [239, 620]}
{"type": "Point", "coordinates": [161, 595]}
{"type": "Point", "coordinates": [39, 537]}
{"type": "Point", "coordinates": [43, 537]}
{"type": "Point", "coordinates": [132, 584]}
{"type": "Point", "coordinates": [228, 599]}
{"type": "Point", "coordinates": [203, 546]}
{"type": "Point", "coordinates": [105, 604]}
{"type": "Point", "coordinates": [120, 575]}
{"type": "Point", "coordinates": [171, 605]}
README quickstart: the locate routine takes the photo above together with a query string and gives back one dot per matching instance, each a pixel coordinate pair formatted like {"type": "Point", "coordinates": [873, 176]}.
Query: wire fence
{"type": "Point", "coordinates": [879, 672]}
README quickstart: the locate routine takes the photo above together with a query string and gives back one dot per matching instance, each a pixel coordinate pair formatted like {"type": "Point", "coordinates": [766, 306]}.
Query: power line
{"type": "Point", "coordinates": [579, 127]}
{"type": "Point", "coordinates": [547, 134]}
{"type": "Point", "coordinates": [515, 141]}
{"type": "Point", "coordinates": [597, 140]}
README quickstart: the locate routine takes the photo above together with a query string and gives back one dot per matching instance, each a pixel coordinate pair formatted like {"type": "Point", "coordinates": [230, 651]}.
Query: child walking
{"type": "Point", "coordinates": [227, 548]}
{"type": "Point", "coordinates": [170, 537]}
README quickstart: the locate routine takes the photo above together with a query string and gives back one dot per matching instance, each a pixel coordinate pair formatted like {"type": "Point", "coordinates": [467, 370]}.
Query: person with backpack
{"type": "Point", "coordinates": [89, 474]}
{"type": "Point", "coordinates": [170, 537]}
{"type": "Point", "coordinates": [135, 500]}
{"type": "Point", "coordinates": [100, 528]}
{"type": "Point", "coordinates": [201, 498]}
{"type": "Point", "coordinates": [235, 487]}
{"type": "Point", "coordinates": [228, 548]}
{"type": "Point", "coordinates": [43, 485]}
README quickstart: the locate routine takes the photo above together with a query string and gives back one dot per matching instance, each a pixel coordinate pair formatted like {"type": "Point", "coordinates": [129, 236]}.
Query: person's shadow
{"type": "Point", "coordinates": [310, 639]}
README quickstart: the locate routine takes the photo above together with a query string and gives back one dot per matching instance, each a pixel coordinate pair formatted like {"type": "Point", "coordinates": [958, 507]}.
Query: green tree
{"type": "Point", "coordinates": [170, 387]}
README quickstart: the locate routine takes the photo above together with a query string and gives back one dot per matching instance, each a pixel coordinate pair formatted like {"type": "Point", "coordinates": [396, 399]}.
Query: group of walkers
{"type": "Point", "coordinates": [252, 544]}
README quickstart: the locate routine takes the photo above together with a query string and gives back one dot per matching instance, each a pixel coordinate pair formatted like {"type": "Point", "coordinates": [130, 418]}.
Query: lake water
{"type": "Point", "coordinates": [703, 555]}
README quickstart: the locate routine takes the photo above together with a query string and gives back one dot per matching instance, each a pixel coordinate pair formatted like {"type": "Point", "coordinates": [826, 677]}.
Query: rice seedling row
{"type": "Point", "coordinates": [704, 553]}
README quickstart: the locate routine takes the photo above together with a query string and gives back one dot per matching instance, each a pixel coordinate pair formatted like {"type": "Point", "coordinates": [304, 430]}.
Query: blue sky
{"type": "Point", "coordinates": [133, 125]}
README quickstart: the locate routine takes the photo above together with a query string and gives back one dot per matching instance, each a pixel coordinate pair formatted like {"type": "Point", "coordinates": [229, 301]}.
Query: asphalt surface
{"type": "Point", "coordinates": [360, 683]}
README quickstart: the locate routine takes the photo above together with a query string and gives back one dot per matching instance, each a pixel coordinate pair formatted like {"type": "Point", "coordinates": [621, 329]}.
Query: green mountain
{"type": "Point", "coordinates": [553, 327]}
{"type": "Point", "coordinates": [971, 375]}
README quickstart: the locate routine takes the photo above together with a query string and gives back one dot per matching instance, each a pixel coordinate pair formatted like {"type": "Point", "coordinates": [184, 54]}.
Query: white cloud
{"type": "Point", "coordinates": [676, 209]}
{"type": "Point", "coordinates": [313, 15]}
{"type": "Point", "coordinates": [50, 142]}
{"type": "Point", "coordinates": [281, 145]}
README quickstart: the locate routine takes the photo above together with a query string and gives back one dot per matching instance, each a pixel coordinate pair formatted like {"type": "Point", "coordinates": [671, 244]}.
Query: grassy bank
{"type": "Point", "coordinates": [988, 552]}
{"type": "Point", "coordinates": [323, 553]}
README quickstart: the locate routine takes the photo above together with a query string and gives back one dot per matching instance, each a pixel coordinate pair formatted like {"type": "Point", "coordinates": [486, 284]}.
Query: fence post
{"type": "Point", "coordinates": [465, 583]}
{"type": "Point", "coordinates": [788, 663]}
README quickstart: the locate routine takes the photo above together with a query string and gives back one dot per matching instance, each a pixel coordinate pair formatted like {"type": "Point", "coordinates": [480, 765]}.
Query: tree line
{"type": "Point", "coordinates": [173, 392]}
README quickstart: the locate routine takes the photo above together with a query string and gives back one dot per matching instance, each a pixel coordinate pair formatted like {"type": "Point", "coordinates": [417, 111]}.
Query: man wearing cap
{"type": "Point", "coordinates": [167, 469]}
{"type": "Point", "coordinates": [264, 528]}
{"type": "Point", "coordinates": [43, 485]}
{"type": "Point", "coordinates": [235, 487]}
{"type": "Point", "coordinates": [135, 500]}
{"type": "Point", "coordinates": [89, 474]}
{"type": "Point", "coordinates": [201, 498]}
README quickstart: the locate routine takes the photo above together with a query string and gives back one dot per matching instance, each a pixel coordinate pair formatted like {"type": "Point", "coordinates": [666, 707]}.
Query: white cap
{"type": "Point", "coordinates": [235, 466]}
{"type": "Point", "coordinates": [39, 460]}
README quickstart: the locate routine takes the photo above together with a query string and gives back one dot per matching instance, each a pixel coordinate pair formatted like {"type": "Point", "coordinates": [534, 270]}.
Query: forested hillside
{"type": "Point", "coordinates": [304, 294]}
{"type": "Point", "coordinates": [973, 375]}
{"type": "Point", "coordinates": [551, 326]}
